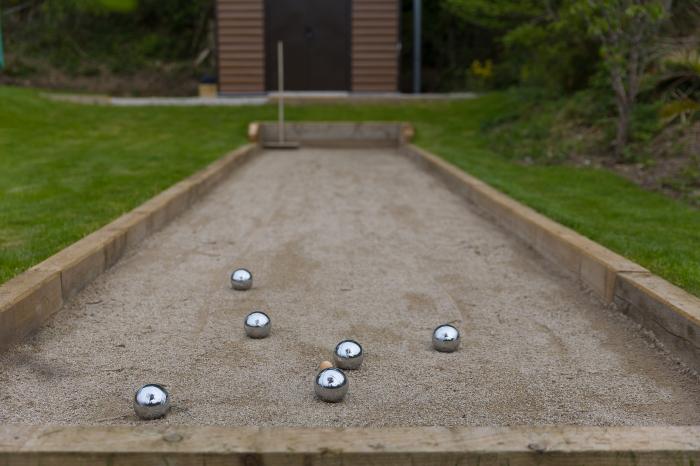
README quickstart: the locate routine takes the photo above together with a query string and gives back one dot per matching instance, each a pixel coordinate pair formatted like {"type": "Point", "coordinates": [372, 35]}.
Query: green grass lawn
{"type": "Point", "coordinates": [66, 170]}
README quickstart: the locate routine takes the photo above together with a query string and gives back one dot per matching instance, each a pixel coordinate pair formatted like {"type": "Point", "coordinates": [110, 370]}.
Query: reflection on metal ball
{"type": "Point", "coordinates": [257, 325]}
{"type": "Point", "coordinates": [151, 401]}
{"type": "Point", "coordinates": [348, 354]}
{"type": "Point", "coordinates": [446, 338]}
{"type": "Point", "coordinates": [331, 385]}
{"type": "Point", "coordinates": [241, 279]}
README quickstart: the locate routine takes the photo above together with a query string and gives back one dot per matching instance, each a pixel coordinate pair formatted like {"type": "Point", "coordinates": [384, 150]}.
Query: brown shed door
{"type": "Point", "coordinates": [316, 36]}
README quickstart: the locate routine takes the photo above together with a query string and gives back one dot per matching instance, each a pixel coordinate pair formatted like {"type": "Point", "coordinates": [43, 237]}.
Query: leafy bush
{"type": "Point", "coordinates": [81, 36]}
{"type": "Point", "coordinates": [539, 43]}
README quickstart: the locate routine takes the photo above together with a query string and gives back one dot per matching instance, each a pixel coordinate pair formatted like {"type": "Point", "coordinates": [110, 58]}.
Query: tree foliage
{"type": "Point", "coordinates": [539, 42]}
{"type": "Point", "coordinates": [81, 36]}
{"type": "Point", "coordinates": [627, 30]}
{"type": "Point", "coordinates": [450, 45]}
{"type": "Point", "coordinates": [561, 44]}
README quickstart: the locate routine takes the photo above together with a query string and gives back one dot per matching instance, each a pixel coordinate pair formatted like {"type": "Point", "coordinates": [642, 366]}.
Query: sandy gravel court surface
{"type": "Point", "coordinates": [343, 244]}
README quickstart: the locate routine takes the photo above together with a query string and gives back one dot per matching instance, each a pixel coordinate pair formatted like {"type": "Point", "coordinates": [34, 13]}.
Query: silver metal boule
{"type": "Point", "coordinates": [151, 401]}
{"type": "Point", "coordinates": [348, 354]}
{"type": "Point", "coordinates": [446, 338]}
{"type": "Point", "coordinates": [331, 385]}
{"type": "Point", "coordinates": [241, 279]}
{"type": "Point", "coordinates": [257, 325]}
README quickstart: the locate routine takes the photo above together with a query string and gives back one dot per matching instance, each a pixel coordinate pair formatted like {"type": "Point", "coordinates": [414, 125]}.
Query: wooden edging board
{"type": "Point", "coordinates": [29, 299]}
{"type": "Point", "coordinates": [672, 314]}
{"type": "Point", "coordinates": [232, 446]}
{"type": "Point", "coordinates": [336, 134]}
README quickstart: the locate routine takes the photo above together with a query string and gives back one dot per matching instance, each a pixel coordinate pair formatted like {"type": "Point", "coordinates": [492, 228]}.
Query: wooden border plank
{"type": "Point", "coordinates": [147, 445]}
{"type": "Point", "coordinates": [26, 301]}
{"type": "Point", "coordinates": [335, 134]}
{"type": "Point", "coordinates": [669, 312]}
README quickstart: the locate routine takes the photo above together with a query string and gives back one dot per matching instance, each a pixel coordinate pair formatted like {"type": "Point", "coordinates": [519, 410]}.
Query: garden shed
{"type": "Point", "coordinates": [330, 45]}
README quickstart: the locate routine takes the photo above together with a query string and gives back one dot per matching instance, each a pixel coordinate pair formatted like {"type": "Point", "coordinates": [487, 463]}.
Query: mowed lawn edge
{"type": "Point", "coordinates": [68, 169]}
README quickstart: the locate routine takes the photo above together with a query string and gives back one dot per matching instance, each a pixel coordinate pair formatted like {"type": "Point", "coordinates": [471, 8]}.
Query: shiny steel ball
{"type": "Point", "coordinates": [151, 401]}
{"type": "Point", "coordinates": [348, 354]}
{"type": "Point", "coordinates": [241, 279]}
{"type": "Point", "coordinates": [331, 385]}
{"type": "Point", "coordinates": [257, 325]}
{"type": "Point", "coordinates": [446, 338]}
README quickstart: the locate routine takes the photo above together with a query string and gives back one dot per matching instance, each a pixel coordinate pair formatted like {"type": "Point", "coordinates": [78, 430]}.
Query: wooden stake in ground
{"type": "Point", "coordinates": [280, 143]}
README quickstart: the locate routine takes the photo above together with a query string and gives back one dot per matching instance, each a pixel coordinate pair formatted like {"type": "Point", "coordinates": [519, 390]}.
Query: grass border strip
{"type": "Point", "coordinates": [209, 445]}
{"type": "Point", "coordinates": [672, 314]}
{"type": "Point", "coordinates": [27, 300]}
